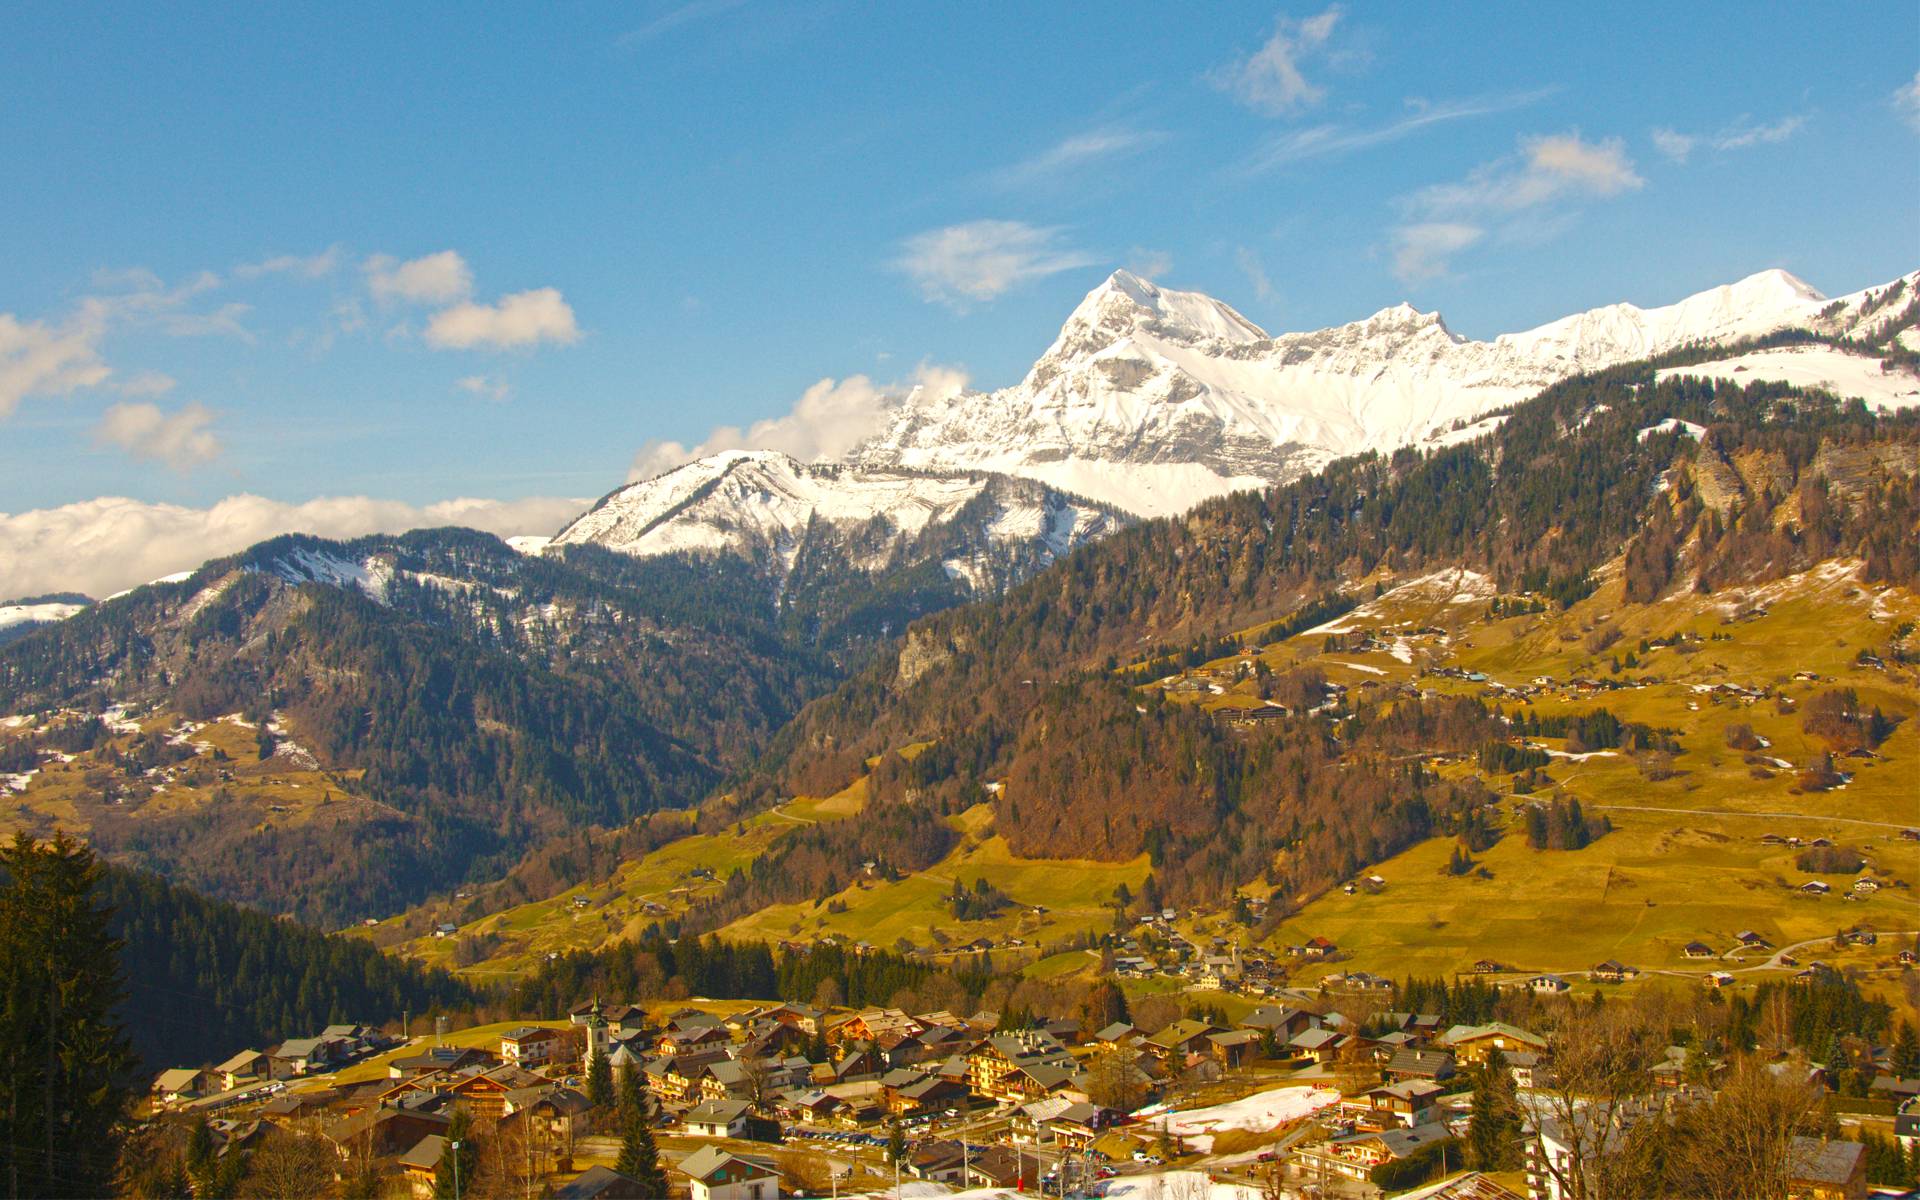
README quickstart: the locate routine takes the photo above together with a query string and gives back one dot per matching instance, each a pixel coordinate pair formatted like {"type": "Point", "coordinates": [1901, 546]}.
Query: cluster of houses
{"type": "Point", "coordinates": [727, 1083]}
{"type": "Point", "coordinates": [252, 1074]}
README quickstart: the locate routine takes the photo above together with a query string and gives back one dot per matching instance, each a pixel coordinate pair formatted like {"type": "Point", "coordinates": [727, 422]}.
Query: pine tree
{"type": "Point", "coordinates": [200, 1148]}
{"type": "Point", "coordinates": [600, 1082]}
{"type": "Point", "coordinates": [639, 1158]}
{"type": "Point", "coordinates": [1493, 1134]}
{"type": "Point", "coordinates": [457, 1166]}
{"type": "Point", "coordinates": [633, 1096]}
{"type": "Point", "coordinates": [1905, 1056]}
{"type": "Point", "coordinates": [64, 1059]}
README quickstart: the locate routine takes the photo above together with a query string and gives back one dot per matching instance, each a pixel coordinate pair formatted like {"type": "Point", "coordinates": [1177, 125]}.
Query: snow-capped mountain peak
{"type": "Point", "coordinates": [1126, 305]}
{"type": "Point", "coordinates": [770, 508]}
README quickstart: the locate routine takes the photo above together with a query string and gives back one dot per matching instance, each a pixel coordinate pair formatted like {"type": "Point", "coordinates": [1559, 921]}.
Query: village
{"type": "Point", "coordinates": [1302, 1095]}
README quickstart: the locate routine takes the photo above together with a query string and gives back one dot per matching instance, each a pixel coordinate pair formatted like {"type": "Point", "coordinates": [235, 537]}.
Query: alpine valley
{"type": "Point", "coordinates": [1538, 632]}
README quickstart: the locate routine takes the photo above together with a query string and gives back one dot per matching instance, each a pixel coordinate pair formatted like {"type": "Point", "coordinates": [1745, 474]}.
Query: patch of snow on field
{"type": "Point", "coordinates": [1824, 367]}
{"type": "Point", "coordinates": [1161, 1185]}
{"type": "Point", "coordinates": [1353, 666]}
{"type": "Point", "coordinates": [1258, 1113]}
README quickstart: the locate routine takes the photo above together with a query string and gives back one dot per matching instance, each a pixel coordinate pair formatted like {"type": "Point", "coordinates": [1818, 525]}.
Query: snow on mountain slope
{"type": "Point", "coordinates": [1837, 371]}
{"type": "Point", "coordinates": [306, 565]}
{"type": "Point", "coordinates": [768, 507]}
{"type": "Point", "coordinates": [17, 619]}
{"type": "Point", "coordinates": [1152, 399]}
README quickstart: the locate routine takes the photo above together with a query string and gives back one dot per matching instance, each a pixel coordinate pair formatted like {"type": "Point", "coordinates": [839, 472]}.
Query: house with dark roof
{"type": "Point", "coordinates": [718, 1118]}
{"type": "Point", "coordinates": [1354, 1156]}
{"type": "Point", "coordinates": [420, 1164]}
{"type": "Point", "coordinates": [1180, 1039]}
{"type": "Point", "coordinates": [602, 1183]}
{"type": "Point", "coordinates": [1818, 1170]}
{"type": "Point", "coordinates": [1283, 1020]}
{"type": "Point", "coordinates": [1409, 1063]}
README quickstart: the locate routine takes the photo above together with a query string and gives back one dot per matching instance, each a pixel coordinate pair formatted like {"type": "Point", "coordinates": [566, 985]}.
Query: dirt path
{"type": "Point", "coordinates": [1764, 816]}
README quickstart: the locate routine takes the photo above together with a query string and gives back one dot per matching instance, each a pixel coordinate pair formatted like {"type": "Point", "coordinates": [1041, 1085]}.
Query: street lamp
{"type": "Point", "coordinates": [455, 1147]}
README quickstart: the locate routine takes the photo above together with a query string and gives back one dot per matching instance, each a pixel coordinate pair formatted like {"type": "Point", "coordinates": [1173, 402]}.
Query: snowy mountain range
{"type": "Point", "coordinates": [1150, 400]}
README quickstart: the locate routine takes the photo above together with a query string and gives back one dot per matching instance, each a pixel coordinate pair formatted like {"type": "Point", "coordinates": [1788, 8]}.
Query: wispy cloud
{"type": "Point", "coordinates": [1520, 196]}
{"type": "Point", "coordinates": [487, 387]}
{"type": "Point", "coordinates": [1148, 263]}
{"type": "Point", "coordinates": [136, 296]}
{"type": "Point", "coordinates": [1335, 138]}
{"type": "Point", "coordinates": [1906, 101]}
{"type": "Point", "coordinates": [181, 439]}
{"type": "Point", "coordinates": [38, 359]}
{"type": "Point", "coordinates": [980, 260]}
{"type": "Point", "coordinates": [1272, 79]}
{"type": "Point", "coordinates": [1248, 260]}
{"type": "Point", "coordinates": [1423, 249]}
{"type": "Point", "coordinates": [298, 266]}
{"type": "Point", "coordinates": [830, 419]}
{"type": "Point", "coordinates": [144, 383]}
{"type": "Point", "coordinates": [1073, 155]}
{"type": "Point", "coordinates": [675, 18]}
{"type": "Point", "coordinates": [1742, 134]}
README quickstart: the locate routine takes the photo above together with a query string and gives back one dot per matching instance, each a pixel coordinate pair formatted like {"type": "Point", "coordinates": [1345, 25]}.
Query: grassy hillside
{"type": "Point", "coordinates": [1685, 860]}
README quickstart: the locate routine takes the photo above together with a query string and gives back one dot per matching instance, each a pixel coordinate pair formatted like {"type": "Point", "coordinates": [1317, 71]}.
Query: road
{"type": "Point", "coordinates": [1727, 812]}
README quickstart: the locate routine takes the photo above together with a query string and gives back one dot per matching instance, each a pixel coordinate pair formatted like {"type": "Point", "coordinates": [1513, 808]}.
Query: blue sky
{"type": "Point", "coordinates": [449, 251]}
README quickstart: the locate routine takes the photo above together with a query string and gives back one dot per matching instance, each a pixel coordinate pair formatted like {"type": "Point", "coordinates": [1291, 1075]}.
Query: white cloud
{"type": "Point", "coordinates": [1270, 79]}
{"type": "Point", "coordinates": [487, 387]}
{"type": "Point", "coordinates": [521, 319]}
{"type": "Point", "coordinates": [1149, 264]}
{"type": "Point", "coordinates": [37, 359]}
{"type": "Point", "coordinates": [1333, 138]}
{"type": "Point", "coordinates": [308, 266]}
{"type": "Point", "coordinates": [1073, 154]}
{"type": "Point", "coordinates": [438, 278]}
{"type": "Point", "coordinates": [1256, 272]}
{"type": "Point", "coordinates": [1674, 144]}
{"type": "Point", "coordinates": [982, 259]}
{"type": "Point", "coordinates": [1906, 101]}
{"type": "Point", "coordinates": [830, 419]}
{"type": "Point", "coordinates": [1421, 250]}
{"type": "Point", "coordinates": [1519, 197]}
{"type": "Point", "coordinates": [1740, 135]}
{"type": "Point", "coordinates": [104, 545]}
{"type": "Point", "coordinates": [181, 439]}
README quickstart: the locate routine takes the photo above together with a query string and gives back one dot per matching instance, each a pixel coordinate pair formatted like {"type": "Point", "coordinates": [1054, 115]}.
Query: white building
{"type": "Point", "coordinates": [716, 1174]}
